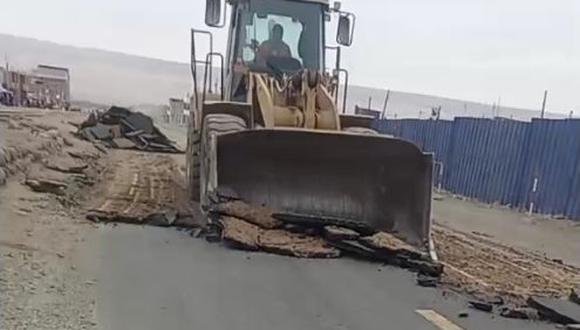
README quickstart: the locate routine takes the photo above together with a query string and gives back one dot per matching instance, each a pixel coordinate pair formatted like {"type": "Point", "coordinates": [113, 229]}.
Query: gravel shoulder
{"type": "Point", "coordinates": [41, 285]}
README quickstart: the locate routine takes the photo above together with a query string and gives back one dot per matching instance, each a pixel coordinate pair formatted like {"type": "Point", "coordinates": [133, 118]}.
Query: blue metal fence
{"type": "Point", "coordinates": [520, 164]}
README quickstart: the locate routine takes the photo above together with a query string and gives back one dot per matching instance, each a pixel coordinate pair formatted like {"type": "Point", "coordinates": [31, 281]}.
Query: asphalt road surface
{"type": "Point", "coordinates": [160, 278]}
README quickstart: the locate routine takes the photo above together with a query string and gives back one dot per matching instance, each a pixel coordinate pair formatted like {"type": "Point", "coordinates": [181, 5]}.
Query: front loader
{"type": "Point", "coordinates": [273, 134]}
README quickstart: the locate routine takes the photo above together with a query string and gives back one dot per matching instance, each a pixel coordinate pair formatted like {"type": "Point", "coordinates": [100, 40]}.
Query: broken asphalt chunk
{"type": "Point", "coordinates": [137, 121]}
{"type": "Point", "coordinates": [296, 245]}
{"type": "Point", "coordinates": [354, 248]}
{"type": "Point", "coordinates": [430, 268]}
{"type": "Point", "coordinates": [121, 128]}
{"type": "Point", "coordinates": [427, 281]}
{"type": "Point", "coordinates": [463, 314]}
{"type": "Point", "coordinates": [389, 244]}
{"type": "Point", "coordinates": [257, 215]}
{"type": "Point", "coordinates": [575, 296]}
{"type": "Point", "coordinates": [239, 233]}
{"type": "Point", "coordinates": [46, 186]}
{"type": "Point", "coordinates": [521, 313]}
{"type": "Point", "coordinates": [335, 233]}
{"type": "Point", "coordinates": [572, 327]}
{"type": "Point", "coordinates": [123, 143]}
{"type": "Point", "coordinates": [556, 310]}
{"type": "Point", "coordinates": [481, 306]}
{"type": "Point", "coordinates": [65, 165]}
{"type": "Point", "coordinates": [320, 221]}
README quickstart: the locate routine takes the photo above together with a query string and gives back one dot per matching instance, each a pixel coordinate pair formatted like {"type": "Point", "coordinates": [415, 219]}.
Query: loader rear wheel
{"type": "Point", "coordinates": [213, 125]}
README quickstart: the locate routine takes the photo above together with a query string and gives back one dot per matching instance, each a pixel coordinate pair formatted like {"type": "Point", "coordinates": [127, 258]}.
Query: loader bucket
{"type": "Point", "coordinates": [383, 181]}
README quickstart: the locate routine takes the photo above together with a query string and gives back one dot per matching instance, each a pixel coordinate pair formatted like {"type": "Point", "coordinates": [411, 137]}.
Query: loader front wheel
{"type": "Point", "coordinates": [213, 125]}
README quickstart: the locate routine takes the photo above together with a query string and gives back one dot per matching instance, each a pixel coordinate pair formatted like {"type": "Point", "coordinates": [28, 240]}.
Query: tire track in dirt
{"type": "Point", "coordinates": [140, 185]}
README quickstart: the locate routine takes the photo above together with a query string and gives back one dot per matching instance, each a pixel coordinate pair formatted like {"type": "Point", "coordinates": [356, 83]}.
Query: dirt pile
{"type": "Point", "coordinates": [479, 265]}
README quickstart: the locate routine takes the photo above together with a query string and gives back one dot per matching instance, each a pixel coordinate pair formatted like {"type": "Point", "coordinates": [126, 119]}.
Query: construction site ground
{"type": "Point", "coordinates": [59, 270]}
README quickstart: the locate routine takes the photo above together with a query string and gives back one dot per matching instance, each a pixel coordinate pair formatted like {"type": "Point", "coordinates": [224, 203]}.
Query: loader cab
{"type": "Point", "coordinates": [258, 22]}
{"type": "Point", "coordinates": [252, 45]}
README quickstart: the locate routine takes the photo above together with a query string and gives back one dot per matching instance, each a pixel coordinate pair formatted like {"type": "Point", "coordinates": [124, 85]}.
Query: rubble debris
{"type": "Point", "coordinates": [572, 327]}
{"type": "Point", "coordinates": [320, 221]}
{"type": "Point", "coordinates": [356, 249]}
{"type": "Point", "coordinates": [556, 310]}
{"type": "Point", "coordinates": [313, 236]}
{"type": "Point", "coordinates": [427, 267]}
{"type": "Point", "coordinates": [389, 244]}
{"type": "Point", "coordinates": [65, 165]}
{"type": "Point", "coordinates": [490, 300]}
{"type": "Point", "coordinates": [83, 155]}
{"type": "Point", "coordinates": [46, 186]}
{"type": "Point", "coordinates": [123, 143]}
{"type": "Point", "coordinates": [100, 132]}
{"type": "Point", "coordinates": [139, 121]}
{"type": "Point", "coordinates": [212, 233]}
{"type": "Point", "coordinates": [260, 216]}
{"type": "Point", "coordinates": [239, 233]}
{"type": "Point", "coordinates": [427, 281]}
{"type": "Point", "coordinates": [2, 176]}
{"type": "Point", "coordinates": [335, 233]}
{"type": "Point", "coordinates": [521, 313]}
{"type": "Point", "coordinates": [158, 218]}
{"type": "Point", "coordinates": [481, 305]}
{"type": "Point", "coordinates": [164, 218]}
{"type": "Point", "coordinates": [122, 128]}
{"type": "Point", "coordinates": [100, 147]}
{"type": "Point", "coordinates": [3, 160]}
{"type": "Point", "coordinates": [196, 232]}
{"type": "Point", "coordinates": [297, 245]}
{"type": "Point", "coordinates": [575, 296]}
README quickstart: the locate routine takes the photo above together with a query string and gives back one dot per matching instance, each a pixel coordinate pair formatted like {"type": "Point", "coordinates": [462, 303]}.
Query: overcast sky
{"type": "Point", "coordinates": [469, 49]}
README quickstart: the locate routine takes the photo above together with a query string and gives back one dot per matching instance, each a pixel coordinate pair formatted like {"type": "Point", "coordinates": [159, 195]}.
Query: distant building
{"type": "Point", "coordinates": [45, 86]}
{"type": "Point", "coordinates": [50, 85]}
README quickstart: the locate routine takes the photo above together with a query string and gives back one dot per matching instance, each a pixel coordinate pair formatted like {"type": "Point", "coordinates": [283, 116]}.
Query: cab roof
{"type": "Point", "coordinates": [322, 2]}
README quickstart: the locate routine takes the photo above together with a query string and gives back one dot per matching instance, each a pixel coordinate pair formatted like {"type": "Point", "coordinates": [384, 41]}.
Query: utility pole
{"type": "Point", "coordinates": [544, 104]}
{"type": "Point", "coordinates": [383, 115]}
{"type": "Point", "coordinates": [498, 106]}
{"type": "Point", "coordinates": [370, 102]}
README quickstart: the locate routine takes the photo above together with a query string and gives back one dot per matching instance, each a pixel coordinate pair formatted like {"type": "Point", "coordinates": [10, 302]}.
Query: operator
{"type": "Point", "coordinates": [273, 47]}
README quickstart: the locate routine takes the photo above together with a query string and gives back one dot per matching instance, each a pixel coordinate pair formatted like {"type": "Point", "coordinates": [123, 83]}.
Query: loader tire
{"type": "Point", "coordinates": [361, 130]}
{"type": "Point", "coordinates": [213, 124]}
